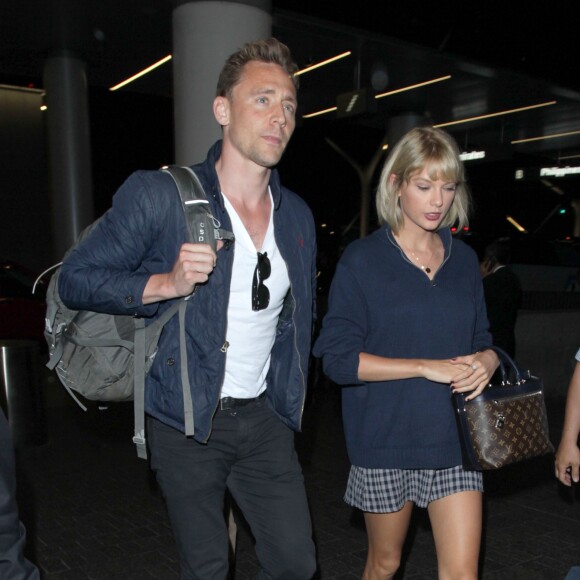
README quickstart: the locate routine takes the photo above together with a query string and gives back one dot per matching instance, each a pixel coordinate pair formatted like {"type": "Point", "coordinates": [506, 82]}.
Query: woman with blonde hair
{"type": "Point", "coordinates": [406, 326]}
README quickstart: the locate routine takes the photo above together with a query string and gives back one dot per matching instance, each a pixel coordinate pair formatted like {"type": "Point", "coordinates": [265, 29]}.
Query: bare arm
{"type": "Point", "coordinates": [567, 464]}
{"type": "Point", "coordinates": [378, 368]}
{"type": "Point", "coordinates": [464, 374]}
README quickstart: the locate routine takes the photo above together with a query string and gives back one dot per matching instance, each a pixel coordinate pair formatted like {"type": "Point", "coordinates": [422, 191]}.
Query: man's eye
{"type": "Point", "coordinates": [289, 108]}
{"type": "Point", "coordinates": [262, 100]}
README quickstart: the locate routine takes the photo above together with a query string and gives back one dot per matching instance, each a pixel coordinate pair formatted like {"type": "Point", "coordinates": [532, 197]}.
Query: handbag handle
{"type": "Point", "coordinates": [505, 358]}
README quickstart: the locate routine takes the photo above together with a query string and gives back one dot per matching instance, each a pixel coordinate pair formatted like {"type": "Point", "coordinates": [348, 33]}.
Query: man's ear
{"type": "Point", "coordinates": [221, 110]}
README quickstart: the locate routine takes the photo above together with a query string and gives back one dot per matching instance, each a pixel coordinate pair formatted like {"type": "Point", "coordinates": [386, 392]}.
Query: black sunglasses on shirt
{"type": "Point", "coordinates": [260, 292]}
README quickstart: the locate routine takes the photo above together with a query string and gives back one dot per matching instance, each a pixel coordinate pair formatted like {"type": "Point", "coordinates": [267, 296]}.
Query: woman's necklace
{"type": "Point", "coordinates": [425, 267]}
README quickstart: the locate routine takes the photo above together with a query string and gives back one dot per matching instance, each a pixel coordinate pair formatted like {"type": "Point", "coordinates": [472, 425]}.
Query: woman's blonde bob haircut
{"type": "Point", "coordinates": [423, 147]}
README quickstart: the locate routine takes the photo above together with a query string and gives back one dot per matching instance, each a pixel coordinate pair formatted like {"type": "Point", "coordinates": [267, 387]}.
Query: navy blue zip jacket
{"type": "Point", "coordinates": [141, 235]}
{"type": "Point", "coordinates": [382, 304]}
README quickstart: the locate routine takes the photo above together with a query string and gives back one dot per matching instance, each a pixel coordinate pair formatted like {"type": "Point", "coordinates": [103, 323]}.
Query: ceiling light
{"type": "Point", "coordinates": [142, 73]}
{"type": "Point", "coordinates": [322, 63]}
{"type": "Point", "coordinates": [411, 87]}
{"type": "Point", "coordinates": [323, 112]}
{"type": "Point", "coordinates": [554, 136]}
{"type": "Point", "coordinates": [488, 116]}
{"type": "Point", "coordinates": [516, 225]}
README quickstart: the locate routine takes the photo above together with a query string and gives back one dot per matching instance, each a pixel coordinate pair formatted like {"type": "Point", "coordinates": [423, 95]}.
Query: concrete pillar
{"type": "Point", "coordinates": [401, 124]}
{"type": "Point", "coordinates": [69, 150]}
{"type": "Point", "coordinates": [205, 33]}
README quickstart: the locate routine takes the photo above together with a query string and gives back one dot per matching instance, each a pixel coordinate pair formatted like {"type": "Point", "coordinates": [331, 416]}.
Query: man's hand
{"type": "Point", "coordinates": [567, 463]}
{"type": "Point", "coordinates": [194, 264]}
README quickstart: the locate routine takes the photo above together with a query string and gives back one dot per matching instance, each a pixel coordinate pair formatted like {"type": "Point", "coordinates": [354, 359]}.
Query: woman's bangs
{"type": "Point", "coordinates": [445, 168]}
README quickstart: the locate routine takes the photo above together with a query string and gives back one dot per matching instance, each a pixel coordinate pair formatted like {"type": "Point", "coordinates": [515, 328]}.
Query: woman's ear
{"type": "Point", "coordinates": [393, 181]}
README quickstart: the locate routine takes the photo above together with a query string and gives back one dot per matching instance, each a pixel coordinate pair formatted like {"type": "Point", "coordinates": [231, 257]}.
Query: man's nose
{"type": "Point", "coordinates": [280, 115]}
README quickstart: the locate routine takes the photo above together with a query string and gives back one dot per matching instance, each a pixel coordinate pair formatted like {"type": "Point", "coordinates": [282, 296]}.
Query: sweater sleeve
{"type": "Point", "coordinates": [344, 328]}
{"type": "Point", "coordinates": [481, 336]}
{"type": "Point", "coordinates": [105, 271]}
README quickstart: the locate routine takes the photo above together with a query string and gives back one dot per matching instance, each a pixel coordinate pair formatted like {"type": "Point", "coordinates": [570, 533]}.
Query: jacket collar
{"type": "Point", "coordinates": [213, 155]}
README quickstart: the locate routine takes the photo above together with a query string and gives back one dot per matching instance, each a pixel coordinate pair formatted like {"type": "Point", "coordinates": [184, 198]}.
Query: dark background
{"type": "Point", "coordinates": [133, 128]}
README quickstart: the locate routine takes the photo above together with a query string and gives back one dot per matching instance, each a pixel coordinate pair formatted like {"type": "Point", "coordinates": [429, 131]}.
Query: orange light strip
{"type": "Point", "coordinates": [411, 87]}
{"type": "Point", "coordinates": [499, 113]}
{"type": "Point", "coordinates": [516, 225]}
{"type": "Point", "coordinates": [142, 73]}
{"type": "Point", "coordinates": [554, 136]}
{"type": "Point", "coordinates": [322, 63]}
{"type": "Point", "coordinates": [310, 115]}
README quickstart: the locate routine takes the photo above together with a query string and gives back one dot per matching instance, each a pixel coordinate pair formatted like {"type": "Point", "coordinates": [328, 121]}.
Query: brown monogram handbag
{"type": "Point", "coordinates": [506, 424]}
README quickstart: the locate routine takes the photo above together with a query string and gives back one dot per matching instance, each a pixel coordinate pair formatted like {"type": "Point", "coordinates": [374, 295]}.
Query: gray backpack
{"type": "Point", "coordinates": [105, 357]}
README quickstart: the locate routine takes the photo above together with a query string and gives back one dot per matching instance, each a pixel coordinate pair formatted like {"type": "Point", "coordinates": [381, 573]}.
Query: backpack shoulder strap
{"type": "Point", "coordinates": [146, 338]}
{"type": "Point", "coordinates": [203, 226]}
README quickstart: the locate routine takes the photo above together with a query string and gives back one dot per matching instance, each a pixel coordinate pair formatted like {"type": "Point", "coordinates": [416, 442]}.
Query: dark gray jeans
{"type": "Point", "coordinates": [251, 452]}
{"type": "Point", "coordinates": [13, 564]}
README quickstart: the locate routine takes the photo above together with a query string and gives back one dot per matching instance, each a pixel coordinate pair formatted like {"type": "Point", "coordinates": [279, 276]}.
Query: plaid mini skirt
{"type": "Point", "coordinates": [387, 490]}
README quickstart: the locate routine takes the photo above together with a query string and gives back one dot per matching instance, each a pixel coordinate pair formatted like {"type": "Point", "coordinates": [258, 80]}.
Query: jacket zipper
{"type": "Point", "coordinates": [296, 349]}
{"type": "Point", "coordinates": [223, 348]}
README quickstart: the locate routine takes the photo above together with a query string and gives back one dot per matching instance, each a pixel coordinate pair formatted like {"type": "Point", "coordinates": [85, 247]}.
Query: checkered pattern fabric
{"type": "Point", "coordinates": [387, 490]}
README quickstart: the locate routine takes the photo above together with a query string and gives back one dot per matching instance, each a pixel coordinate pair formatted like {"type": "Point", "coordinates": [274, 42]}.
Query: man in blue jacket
{"type": "Point", "coordinates": [248, 324]}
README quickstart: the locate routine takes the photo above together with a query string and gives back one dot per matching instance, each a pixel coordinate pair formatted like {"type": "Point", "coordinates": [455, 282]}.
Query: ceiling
{"type": "Point", "coordinates": [498, 60]}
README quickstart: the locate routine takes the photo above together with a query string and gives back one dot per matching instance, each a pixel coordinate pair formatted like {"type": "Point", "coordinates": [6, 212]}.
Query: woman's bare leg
{"type": "Point", "coordinates": [386, 535]}
{"type": "Point", "coordinates": [456, 521]}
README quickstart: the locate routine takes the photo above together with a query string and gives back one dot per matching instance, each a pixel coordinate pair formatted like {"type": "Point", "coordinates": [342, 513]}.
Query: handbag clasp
{"type": "Point", "coordinates": [500, 421]}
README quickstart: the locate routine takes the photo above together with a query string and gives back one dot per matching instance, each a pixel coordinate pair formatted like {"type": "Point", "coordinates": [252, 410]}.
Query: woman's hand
{"type": "Point", "coordinates": [477, 375]}
{"type": "Point", "coordinates": [441, 371]}
{"type": "Point", "coordinates": [464, 373]}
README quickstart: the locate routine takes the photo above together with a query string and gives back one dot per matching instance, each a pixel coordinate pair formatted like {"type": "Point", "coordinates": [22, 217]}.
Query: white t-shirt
{"type": "Point", "coordinates": [578, 355]}
{"type": "Point", "coordinates": [251, 334]}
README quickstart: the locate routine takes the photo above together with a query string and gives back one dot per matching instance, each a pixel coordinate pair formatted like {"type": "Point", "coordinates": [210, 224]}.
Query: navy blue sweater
{"type": "Point", "coordinates": [382, 304]}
